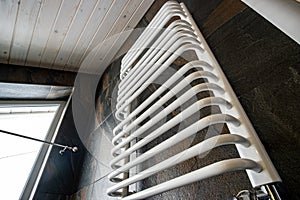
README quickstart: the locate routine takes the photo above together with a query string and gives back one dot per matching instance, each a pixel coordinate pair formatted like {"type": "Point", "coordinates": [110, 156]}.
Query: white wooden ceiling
{"type": "Point", "coordinates": [60, 34]}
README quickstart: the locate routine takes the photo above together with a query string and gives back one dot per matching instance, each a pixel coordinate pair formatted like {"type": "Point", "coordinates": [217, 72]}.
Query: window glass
{"type": "Point", "coordinates": [18, 155]}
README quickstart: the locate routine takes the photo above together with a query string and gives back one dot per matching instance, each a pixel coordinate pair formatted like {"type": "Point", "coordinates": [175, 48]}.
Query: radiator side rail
{"type": "Point", "coordinates": [257, 152]}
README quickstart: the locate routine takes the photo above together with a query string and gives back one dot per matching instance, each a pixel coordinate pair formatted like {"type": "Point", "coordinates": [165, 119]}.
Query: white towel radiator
{"type": "Point", "coordinates": [139, 69]}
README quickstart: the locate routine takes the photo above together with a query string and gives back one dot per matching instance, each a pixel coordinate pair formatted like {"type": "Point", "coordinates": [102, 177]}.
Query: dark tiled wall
{"type": "Point", "coordinates": [263, 66]}
{"type": "Point", "coordinates": [34, 75]}
{"type": "Point", "coordinates": [93, 180]}
{"type": "Point", "coordinates": [62, 173]}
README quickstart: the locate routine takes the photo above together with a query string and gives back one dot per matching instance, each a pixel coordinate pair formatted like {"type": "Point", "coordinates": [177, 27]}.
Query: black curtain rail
{"type": "Point", "coordinates": [65, 147]}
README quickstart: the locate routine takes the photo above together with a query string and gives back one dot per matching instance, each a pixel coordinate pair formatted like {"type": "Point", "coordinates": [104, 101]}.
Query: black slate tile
{"type": "Point", "coordinates": [88, 171]}
{"type": "Point", "coordinates": [252, 51]}
{"type": "Point", "coordinates": [273, 114]}
{"type": "Point", "coordinates": [34, 75]}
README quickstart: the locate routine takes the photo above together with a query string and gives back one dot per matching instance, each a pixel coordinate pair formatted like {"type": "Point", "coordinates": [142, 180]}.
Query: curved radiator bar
{"type": "Point", "coordinates": [165, 19]}
{"type": "Point", "coordinates": [197, 150]}
{"type": "Point", "coordinates": [176, 26]}
{"type": "Point", "coordinates": [185, 133]}
{"type": "Point", "coordinates": [179, 51]}
{"type": "Point", "coordinates": [177, 103]}
{"type": "Point", "coordinates": [198, 65]}
{"type": "Point", "coordinates": [140, 67]}
{"type": "Point", "coordinates": [182, 44]}
{"type": "Point", "coordinates": [162, 51]}
{"type": "Point", "coordinates": [167, 126]}
{"type": "Point", "coordinates": [191, 93]}
{"type": "Point", "coordinates": [168, 11]}
{"type": "Point", "coordinates": [215, 169]}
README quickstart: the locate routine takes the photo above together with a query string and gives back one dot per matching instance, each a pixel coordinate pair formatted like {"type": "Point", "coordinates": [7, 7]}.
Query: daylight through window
{"type": "Point", "coordinates": [18, 155]}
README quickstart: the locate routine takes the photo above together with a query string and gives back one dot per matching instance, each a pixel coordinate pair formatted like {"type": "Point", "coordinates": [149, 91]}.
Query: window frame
{"type": "Point", "coordinates": [44, 152]}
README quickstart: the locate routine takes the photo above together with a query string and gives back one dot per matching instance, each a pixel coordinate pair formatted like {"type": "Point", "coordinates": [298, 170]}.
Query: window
{"type": "Point", "coordinates": [22, 160]}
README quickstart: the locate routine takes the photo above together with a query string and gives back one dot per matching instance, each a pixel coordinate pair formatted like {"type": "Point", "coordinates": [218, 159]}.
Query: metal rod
{"type": "Point", "coordinates": [74, 149]}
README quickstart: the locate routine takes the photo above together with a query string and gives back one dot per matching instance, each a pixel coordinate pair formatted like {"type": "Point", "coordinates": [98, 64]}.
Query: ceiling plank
{"type": "Point", "coordinates": [45, 22]}
{"type": "Point", "coordinates": [127, 30]}
{"type": "Point", "coordinates": [26, 20]}
{"type": "Point", "coordinates": [117, 26]}
{"type": "Point", "coordinates": [61, 27]}
{"type": "Point", "coordinates": [8, 15]}
{"type": "Point", "coordinates": [59, 34]}
{"type": "Point", "coordinates": [103, 30]}
{"type": "Point", "coordinates": [75, 31]}
{"type": "Point", "coordinates": [88, 33]}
